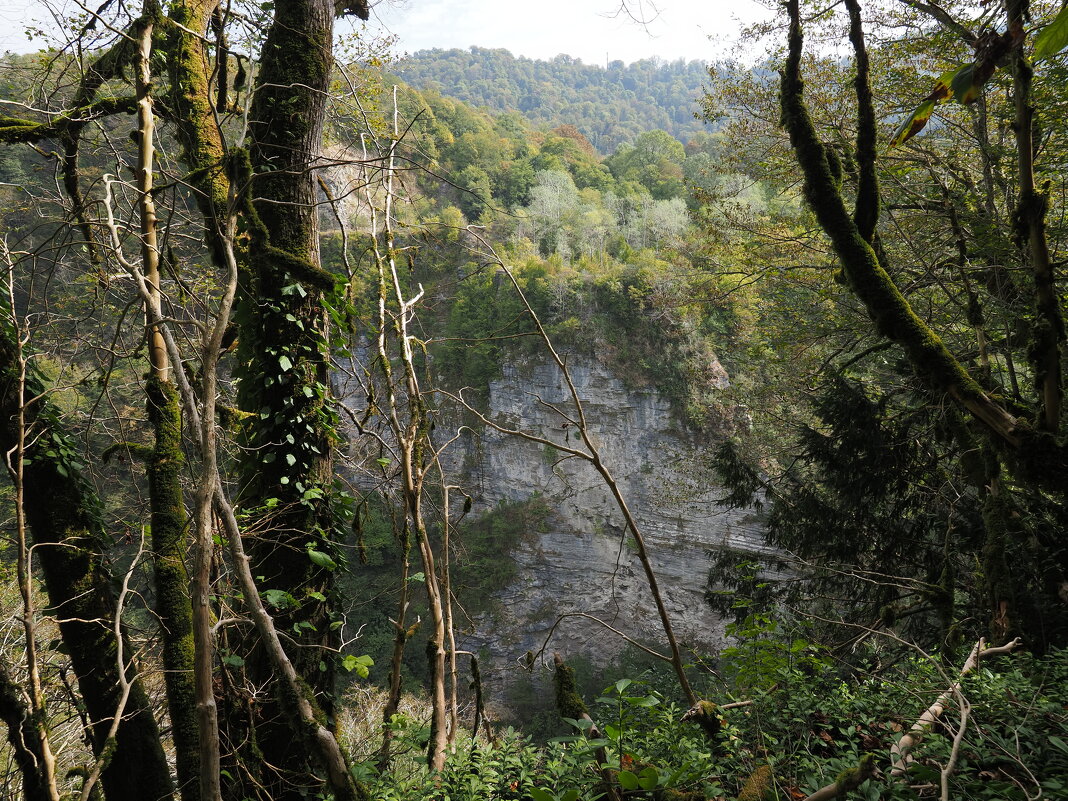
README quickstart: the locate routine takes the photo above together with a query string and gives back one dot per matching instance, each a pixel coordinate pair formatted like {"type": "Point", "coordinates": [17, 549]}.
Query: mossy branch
{"type": "Point", "coordinates": [866, 210]}
{"type": "Point", "coordinates": [1041, 459]}
{"type": "Point", "coordinates": [759, 786]}
{"type": "Point", "coordinates": [848, 780]}
{"type": "Point", "coordinates": [14, 129]}
{"type": "Point", "coordinates": [706, 715]}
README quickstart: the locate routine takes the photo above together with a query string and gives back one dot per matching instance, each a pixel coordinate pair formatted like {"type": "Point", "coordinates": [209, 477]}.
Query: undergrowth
{"type": "Point", "coordinates": [809, 720]}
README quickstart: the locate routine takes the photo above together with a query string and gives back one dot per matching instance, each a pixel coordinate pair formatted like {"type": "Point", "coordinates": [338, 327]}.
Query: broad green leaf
{"type": "Point", "coordinates": [964, 85]}
{"type": "Point", "coordinates": [628, 781]}
{"type": "Point", "coordinates": [321, 559]}
{"type": "Point", "coordinates": [285, 363]}
{"type": "Point", "coordinates": [644, 701]}
{"type": "Point", "coordinates": [943, 88]}
{"type": "Point", "coordinates": [913, 124]}
{"type": "Point", "coordinates": [649, 778]}
{"type": "Point", "coordinates": [539, 794]}
{"type": "Point", "coordinates": [1053, 38]}
{"type": "Point", "coordinates": [360, 664]}
{"type": "Point", "coordinates": [276, 598]}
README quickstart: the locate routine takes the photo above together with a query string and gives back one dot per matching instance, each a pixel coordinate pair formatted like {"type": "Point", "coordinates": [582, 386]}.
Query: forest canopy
{"type": "Point", "coordinates": [260, 285]}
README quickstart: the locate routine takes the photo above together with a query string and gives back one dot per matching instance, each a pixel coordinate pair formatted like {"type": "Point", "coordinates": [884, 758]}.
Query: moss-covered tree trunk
{"type": "Point", "coordinates": [1047, 330]}
{"type": "Point", "coordinates": [169, 522]}
{"type": "Point", "coordinates": [169, 545]}
{"type": "Point", "coordinates": [62, 512]}
{"type": "Point", "coordinates": [286, 468]}
{"type": "Point", "coordinates": [1035, 456]}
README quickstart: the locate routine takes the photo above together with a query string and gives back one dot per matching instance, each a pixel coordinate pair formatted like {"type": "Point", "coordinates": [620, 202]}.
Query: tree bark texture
{"type": "Point", "coordinates": [22, 738]}
{"type": "Point", "coordinates": [287, 466]}
{"type": "Point", "coordinates": [63, 515]}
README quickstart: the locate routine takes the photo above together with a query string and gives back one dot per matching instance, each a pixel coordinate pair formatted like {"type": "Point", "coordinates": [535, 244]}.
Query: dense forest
{"type": "Point", "coordinates": [609, 104]}
{"type": "Point", "coordinates": [262, 297]}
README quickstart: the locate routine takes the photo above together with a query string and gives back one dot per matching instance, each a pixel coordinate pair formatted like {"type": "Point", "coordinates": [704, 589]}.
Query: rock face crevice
{"type": "Point", "coordinates": [580, 559]}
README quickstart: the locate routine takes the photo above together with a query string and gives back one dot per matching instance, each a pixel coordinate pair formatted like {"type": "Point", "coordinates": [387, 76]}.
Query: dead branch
{"type": "Point", "coordinates": [899, 752]}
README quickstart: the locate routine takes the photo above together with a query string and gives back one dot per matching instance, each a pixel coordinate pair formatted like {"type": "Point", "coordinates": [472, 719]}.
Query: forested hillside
{"type": "Point", "coordinates": [368, 443]}
{"type": "Point", "coordinates": [609, 104]}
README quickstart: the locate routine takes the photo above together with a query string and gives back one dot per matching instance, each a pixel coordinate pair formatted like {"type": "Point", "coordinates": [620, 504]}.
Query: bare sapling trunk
{"type": "Point", "coordinates": [409, 425]}
{"type": "Point", "coordinates": [39, 769]}
{"type": "Point", "coordinates": [400, 640]}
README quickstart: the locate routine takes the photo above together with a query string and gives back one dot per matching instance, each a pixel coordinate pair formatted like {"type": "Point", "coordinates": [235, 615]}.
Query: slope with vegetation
{"type": "Point", "coordinates": [610, 105]}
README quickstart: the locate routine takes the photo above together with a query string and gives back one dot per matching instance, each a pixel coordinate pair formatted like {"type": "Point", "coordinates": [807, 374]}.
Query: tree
{"type": "Point", "coordinates": [1020, 439]}
{"type": "Point", "coordinates": [269, 191]}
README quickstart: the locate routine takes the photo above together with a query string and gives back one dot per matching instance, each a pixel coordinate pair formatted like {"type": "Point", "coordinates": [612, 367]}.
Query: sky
{"type": "Point", "coordinates": [593, 30]}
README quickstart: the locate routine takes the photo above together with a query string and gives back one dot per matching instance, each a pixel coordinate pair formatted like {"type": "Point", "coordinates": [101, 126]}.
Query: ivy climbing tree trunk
{"type": "Point", "coordinates": [286, 466]}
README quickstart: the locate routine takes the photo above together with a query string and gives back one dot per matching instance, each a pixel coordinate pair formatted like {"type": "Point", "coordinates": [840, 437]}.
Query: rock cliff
{"type": "Point", "coordinates": [580, 560]}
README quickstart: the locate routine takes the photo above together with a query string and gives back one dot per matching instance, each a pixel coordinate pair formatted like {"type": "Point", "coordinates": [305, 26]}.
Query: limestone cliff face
{"type": "Point", "coordinates": [582, 560]}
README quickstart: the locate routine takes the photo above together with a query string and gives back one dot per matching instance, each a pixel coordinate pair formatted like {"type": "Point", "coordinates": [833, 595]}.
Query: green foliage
{"type": "Point", "coordinates": [608, 105]}
{"type": "Point", "coordinates": [483, 547]}
{"type": "Point", "coordinates": [485, 310]}
{"type": "Point", "coordinates": [808, 724]}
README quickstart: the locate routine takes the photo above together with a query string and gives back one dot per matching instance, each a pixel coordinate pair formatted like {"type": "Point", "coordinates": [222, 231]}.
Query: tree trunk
{"type": "Point", "coordinates": [63, 514]}
{"type": "Point", "coordinates": [169, 522]}
{"type": "Point", "coordinates": [22, 739]}
{"type": "Point", "coordinates": [286, 466]}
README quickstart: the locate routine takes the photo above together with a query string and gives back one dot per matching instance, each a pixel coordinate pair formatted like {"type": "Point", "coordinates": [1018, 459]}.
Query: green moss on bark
{"type": "Point", "coordinates": [169, 527]}
{"type": "Point", "coordinates": [568, 702]}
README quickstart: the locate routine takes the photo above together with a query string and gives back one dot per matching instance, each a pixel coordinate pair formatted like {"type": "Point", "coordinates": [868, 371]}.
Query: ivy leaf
{"type": "Point", "coordinates": [1053, 38]}
{"type": "Point", "coordinates": [285, 363]}
{"type": "Point", "coordinates": [360, 664]}
{"type": "Point", "coordinates": [276, 598]}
